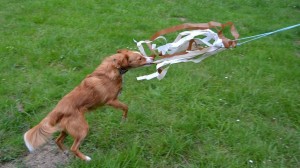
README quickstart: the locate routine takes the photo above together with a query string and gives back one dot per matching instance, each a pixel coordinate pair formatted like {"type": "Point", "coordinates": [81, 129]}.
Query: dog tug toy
{"type": "Point", "coordinates": [193, 46]}
{"type": "Point", "coordinates": [189, 46]}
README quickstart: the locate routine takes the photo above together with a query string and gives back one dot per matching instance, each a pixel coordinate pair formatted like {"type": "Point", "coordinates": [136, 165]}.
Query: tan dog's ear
{"type": "Point", "coordinates": [125, 61]}
{"type": "Point", "coordinates": [122, 61]}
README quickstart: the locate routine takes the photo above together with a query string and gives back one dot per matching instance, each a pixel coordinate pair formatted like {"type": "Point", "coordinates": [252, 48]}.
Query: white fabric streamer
{"type": "Point", "coordinates": [208, 40]}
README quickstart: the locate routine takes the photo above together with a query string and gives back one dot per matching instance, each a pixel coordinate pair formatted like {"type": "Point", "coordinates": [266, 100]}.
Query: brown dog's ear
{"type": "Point", "coordinates": [121, 61]}
{"type": "Point", "coordinates": [125, 61]}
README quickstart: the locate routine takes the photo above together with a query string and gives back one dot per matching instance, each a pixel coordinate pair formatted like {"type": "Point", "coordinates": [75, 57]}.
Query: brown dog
{"type": "Point", "coordinates": [102, 87]}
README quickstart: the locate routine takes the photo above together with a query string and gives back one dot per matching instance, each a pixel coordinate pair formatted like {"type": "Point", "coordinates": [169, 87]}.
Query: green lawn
{"type": "Point", "coordinates": [240, 108]}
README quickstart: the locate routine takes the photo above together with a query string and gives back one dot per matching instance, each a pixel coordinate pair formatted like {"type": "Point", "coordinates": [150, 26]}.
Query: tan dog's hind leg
{"type": "Point", "coordinates": [119, 105]}
{"type": "Point", "coordinates": [75, 150]}
{"type": "Point", "coordinates": [59, 141]}
{"type": "Point", "coordinates": [78, 129]}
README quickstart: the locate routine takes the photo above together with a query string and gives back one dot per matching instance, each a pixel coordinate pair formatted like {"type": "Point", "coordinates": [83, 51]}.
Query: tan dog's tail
{"type": "Point", "coordinates": [38, 135]}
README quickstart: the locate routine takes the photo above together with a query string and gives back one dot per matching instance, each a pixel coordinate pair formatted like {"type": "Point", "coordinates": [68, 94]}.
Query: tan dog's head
{"type": "Point", "coordinates": [127, 59]}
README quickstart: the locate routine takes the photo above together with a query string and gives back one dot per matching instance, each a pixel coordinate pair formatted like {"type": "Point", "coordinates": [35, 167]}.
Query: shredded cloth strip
{"type": "Point", "coordinates": [194, 45]}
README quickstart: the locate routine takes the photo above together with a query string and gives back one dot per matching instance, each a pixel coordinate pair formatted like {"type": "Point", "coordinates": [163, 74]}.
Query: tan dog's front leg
{"type": "Point", "coordinates": [119, 105]}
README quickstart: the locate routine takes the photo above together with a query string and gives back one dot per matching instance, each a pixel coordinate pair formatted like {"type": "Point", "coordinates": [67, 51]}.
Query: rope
{"type": "Point", "coordinates": [251, 38]}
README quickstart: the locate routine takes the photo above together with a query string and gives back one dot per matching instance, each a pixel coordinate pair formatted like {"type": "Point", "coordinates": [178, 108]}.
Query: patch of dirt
{"type": "Point", "coordinates": [48, 156]}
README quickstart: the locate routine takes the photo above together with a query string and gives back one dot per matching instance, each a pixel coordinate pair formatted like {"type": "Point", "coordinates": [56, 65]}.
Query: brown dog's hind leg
{"type": "Point", "coordinates": [78, 129]}
{"type": "Point", "coordinates": [119, 105]}
{"type": "Point", "coordinates": [75, 150]}
{"type": "Point", "coordinates": [59, 141]}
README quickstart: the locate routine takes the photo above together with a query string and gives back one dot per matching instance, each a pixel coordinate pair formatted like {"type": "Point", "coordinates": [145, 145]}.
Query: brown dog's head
{"type": "Point", "coordinates": [127, 59]}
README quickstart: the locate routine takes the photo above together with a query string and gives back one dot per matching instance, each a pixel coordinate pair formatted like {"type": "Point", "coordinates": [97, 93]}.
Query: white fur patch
{"type": "Point", "coordinates": [29, 146]}
{"type": "Point", "coordinates": [87, 158]}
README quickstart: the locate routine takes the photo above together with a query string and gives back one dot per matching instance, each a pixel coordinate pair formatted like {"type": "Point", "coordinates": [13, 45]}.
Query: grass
{"type": "Point", "coordinates": [237, 109]}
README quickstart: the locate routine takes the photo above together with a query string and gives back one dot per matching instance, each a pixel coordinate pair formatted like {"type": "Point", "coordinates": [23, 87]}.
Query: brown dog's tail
{"type": "Point", "coordinates": [39, 134]}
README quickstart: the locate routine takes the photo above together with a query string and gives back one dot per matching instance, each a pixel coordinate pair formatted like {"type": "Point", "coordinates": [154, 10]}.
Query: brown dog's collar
{"type": "Point", "coordinates": [122, 71]}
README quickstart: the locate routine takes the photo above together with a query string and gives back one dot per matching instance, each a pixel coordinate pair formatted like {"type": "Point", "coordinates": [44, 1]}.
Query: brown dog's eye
{"type": "Point", "coordinates": [140, 58]}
